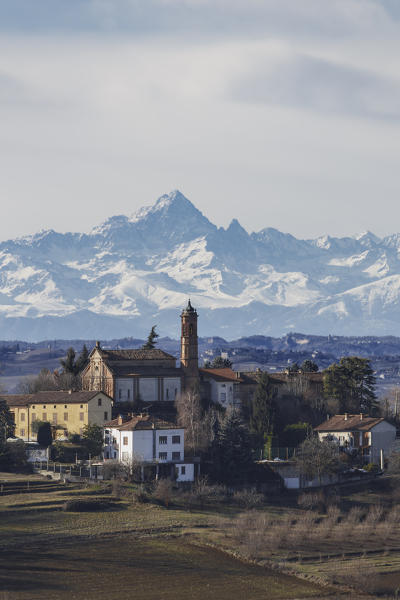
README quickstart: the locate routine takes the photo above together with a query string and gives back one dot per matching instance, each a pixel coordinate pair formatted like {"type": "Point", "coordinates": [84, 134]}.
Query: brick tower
{"type": "Point", "coordinates": [189, 347]}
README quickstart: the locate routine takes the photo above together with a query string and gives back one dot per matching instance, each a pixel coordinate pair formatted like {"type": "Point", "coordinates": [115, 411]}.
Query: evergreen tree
{"type": "Point", "coordinates": [151, 340]}
{"type": "Point", "coordinates": [68, 363]}
{"type": "Point", "coordinates": [218, 363]}
{"type": "Point", "coordinates": [352, 383]}
{"type": "Point", "coordinates": [233, 449]}
{"type": "Point", "coordinates": [44, 435]}
{"type": "Point", "coordinates": [309, 366]}
{"type": "Point", "coordinates": [92, 438]}
{"type": "Point", "coordinates": [7, 425]}
{"type": "Point", "coordinates": [82, 360]}
{"type": "Point", "coordinates": [263, 411]}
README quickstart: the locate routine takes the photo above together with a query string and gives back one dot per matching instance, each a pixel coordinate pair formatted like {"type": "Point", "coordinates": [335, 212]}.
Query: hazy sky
{"type": "Point", "coordinates": [282, 113]}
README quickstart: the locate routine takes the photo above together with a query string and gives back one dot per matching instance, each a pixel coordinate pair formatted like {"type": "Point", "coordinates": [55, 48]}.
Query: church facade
{"type": "Point", "coordinates": [129, 376]}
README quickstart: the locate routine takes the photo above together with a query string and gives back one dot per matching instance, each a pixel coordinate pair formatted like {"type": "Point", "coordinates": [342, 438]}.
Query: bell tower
{"type": "Point", "coordinates": [189, 346]}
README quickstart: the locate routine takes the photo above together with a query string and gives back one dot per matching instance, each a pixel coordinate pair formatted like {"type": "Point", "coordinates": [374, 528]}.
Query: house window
{"type": "Point", "coordinates": [107, 454]}
{"type": "Point", "coordinates": [33, 416]}
{"type": "Point", "coordinates": [105, 415]}
{"type": "Point", "coordinates": [167, 393]}
{"type": "Point", "coordinates": [65, 416]}
{"type": "Point", "coordinates": [115, 455]}
{"type": "Point", "coordinates": [44, 416]}
{"type": "Point", "coordinates": [176, 392]}
{"type": "Point", "coordinates": [54, 406]}
{"type": "Point", "coordinates": [55, 418]}
{"type": "Point", "coordinates": [125, 456]}
{"type": "Point", "coordinates": [65, 406]}
{"type": "Point", "coordinates": [22, 432]}
{"type": "Point", "coordinates": [162, 439]}
{"type": "Point", "coordinates": [33, 407]}
{"type": "Point", "coordinates": [22, 416]}
{"type": "Point", "coordinates": [176, 456]}
{"type": "Point", "coordinates": [223, 385]}
{"type": "Point", "coordinates": [44, 406]}
{"type": "Point", "coordinates": [99, 402]}
{"type": "Point", "coordinates": [81, 405]}
{"type": "Point", "coordinates": [183, 470]}
{"type": "Point", "coordinates": [176, 439]}
{"type": "Point", "coordinates": [120, 393]}
{"type": "Point", "coordinates": [222, 396]}
{"type": "Point", "coordinates": [162, 455]}
{"type": "Point", "coordinates": [81, 416]}
{"type": "Point", "coordinates": [128, 393]}
{"type": "Point", "coordinates": [125, 440]}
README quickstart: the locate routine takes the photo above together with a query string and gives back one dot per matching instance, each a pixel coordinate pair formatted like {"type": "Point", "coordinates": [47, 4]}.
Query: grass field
{"type": "Point", "coordinates": [135, 551]}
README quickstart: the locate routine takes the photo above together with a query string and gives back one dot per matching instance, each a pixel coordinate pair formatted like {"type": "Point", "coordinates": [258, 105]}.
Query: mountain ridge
{"type": "Point", "coordinates": [131, 271]}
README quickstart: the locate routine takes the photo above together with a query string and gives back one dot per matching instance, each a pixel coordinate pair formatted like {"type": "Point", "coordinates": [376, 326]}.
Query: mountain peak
{"type": "Point", "coordinates": [175, 201]}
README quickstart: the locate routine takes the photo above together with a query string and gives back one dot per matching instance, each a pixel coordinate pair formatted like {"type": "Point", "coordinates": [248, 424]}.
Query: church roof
{"type": "Point", "coordinates": [52, 397]}
{"type": "Point", "coordinates": [136, 354]}
{"type": "Point", "coordinates": [189, 308]}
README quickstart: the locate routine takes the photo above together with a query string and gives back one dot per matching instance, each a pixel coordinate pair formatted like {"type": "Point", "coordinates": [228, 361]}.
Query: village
{"type": "Point", "coordinates": [143, 409]}
{"type": "Point", "coordinates": [134, 451]}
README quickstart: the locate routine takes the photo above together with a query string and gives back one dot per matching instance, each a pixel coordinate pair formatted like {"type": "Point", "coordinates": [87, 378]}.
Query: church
{"type": "Point", "coordinates": [142, 375]}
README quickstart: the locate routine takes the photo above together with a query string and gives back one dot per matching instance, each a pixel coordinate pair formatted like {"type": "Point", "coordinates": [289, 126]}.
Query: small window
{"type": "Point", "coordinates": [125, 456]}
{"type": "Point", "coordinates": [65, 406]}
{"type": "Point", "coordinates": [44, 416]}
{"type": "Point", "coordinates": [54, 406]}
{"type": "Point", "coordinates": [81, 405]}
{"type": "Point", "coordinates": [125, 440]}
{"type": "Point", "coordinates": [222, 397]}
{"type": "Point", "coordinates": [115, 455]}
{"type": "Point", "coordinates": [98, 401]}
{"type": "Point", "coordinates": [162, 455]}
{"type": "Point", "coordinates": [176, 456]}
{"type": "Point", "coordinates": [223, 385]}
{"type": "Point", "coordinates": [65, 416]}
{"type": "Point", "coordinates": [176, 392]}
{"type": "Point", "coordinates": [22, 417]}
{"type": "Point", "coordinates": [176, 439]}
{"type": "Point", "coordinates": [128, 393]}
{"type": "Point", "coordinates": [81, 416]}
{"type": "Point", "coordinates": [55, 418]}
{"type": "Point", "coordinates": [33, 407]}
{"type": "Point", "coordinates": [33, 417]}
{"type": "Point", "coordinates": [22, 432]}
{"type": "Point", "coordinates": [105, 415]}
{"type": "Point", "coordinates": [183, 470]}
{"type": "Point", "coordinates": [44, 406]}
{"type": "Point", "coordinates": [167, 393]}
{"type": "Point", "coordinates": [107, 454]}
{"type": "Point", "coordinates": [162, 439]}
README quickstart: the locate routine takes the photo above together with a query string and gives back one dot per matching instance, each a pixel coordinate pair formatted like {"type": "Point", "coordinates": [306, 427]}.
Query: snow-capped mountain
{"type": "Point", "coordinates": [133, 271]}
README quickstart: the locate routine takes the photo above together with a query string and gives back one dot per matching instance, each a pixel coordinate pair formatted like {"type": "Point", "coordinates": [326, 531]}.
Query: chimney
{"type": "Point", "coordinates": [120, 420]}
{"type": "Point", "coordinates": [345, 416]}
{"type": "Point", "coordinates": [361, 416]}
{"type": "Point", "coordinates": [98, 344]}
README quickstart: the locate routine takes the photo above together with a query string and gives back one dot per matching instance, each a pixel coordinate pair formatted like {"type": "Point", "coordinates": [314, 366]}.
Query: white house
{"type": "Point", "coordinates": [359, 433]}
{"type": "Point", "coordinates": [151, 441]}
{"type": "Point", "coordinates": [223, 385]}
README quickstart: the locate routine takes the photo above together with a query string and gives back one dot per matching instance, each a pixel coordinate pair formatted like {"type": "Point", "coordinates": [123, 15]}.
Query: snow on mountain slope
{"type": "Point", "coordinates": [133, 271]}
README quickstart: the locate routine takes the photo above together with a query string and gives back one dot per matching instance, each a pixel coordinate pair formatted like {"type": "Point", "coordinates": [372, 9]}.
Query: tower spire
{"type": "Point", "coordinates": [189, 346]}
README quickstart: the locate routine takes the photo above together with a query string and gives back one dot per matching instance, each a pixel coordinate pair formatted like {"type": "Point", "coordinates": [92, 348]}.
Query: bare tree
{"type": "Point", "coordinates": [199, 424]}
{"type": "Point", "coordinates": [316, 458]}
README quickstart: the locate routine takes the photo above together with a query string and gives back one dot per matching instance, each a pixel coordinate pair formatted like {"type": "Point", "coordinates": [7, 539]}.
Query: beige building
{"type": "Point", "coordinates": [68, 412]}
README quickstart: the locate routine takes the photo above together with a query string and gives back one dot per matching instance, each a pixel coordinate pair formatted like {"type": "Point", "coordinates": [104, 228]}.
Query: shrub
{"type": "Point", "coordinates": [163, 491]}
{"type": "Point", "coordinates": [249, 498]}
{"type": "Point", "coordinates": [140, 495]}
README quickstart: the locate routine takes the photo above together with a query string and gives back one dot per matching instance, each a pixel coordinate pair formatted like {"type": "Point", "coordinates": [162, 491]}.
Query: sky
{"type": "Point", "coordinates": [280, 113]}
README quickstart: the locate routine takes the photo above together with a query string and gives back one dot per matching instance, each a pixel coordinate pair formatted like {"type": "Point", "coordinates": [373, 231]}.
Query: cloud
{"type": "Point", "coordinates": [201, 17]}
{"type": "Point", "coordinates": [316, 84]}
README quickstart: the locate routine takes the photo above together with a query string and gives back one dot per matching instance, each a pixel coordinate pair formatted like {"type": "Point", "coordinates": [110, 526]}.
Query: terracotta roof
{"type": "Point", "coordinates": [136, 354]}
{"type": "Point", "coordinates": [225, 374]}
{"type": "Point", "coordinates": [54, 397]}
{"type": "Point", "coordinates": [141, 422]}
{"type": "Point", "coordinates": [349, 423]}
